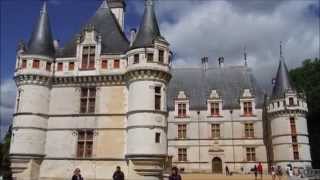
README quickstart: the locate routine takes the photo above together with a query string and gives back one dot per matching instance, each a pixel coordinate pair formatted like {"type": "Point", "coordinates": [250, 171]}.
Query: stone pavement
{"type": "Point", "coordinates": [222, 177]}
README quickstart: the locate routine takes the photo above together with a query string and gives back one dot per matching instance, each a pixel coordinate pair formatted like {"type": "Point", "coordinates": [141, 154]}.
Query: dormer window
{"type": "Point", "coordinates": [88, 57]}
{"type": "Point", "coordinates": [136, 59]}
{"type": "Point", "coordinates": [214, 104]}
{"type": "Point", "coordinates": [161, 56]}
{"type": "Point", "coordinates": [149, 57]}
{"type": "Point", "coordinates": [48, 66]}
{"type": "Point", "coordinates": [247, 103]}
{"type": "Point", "coordinates": [36, 64]}
{"type": "Point", "coordinates": [116, 64]}
{"type": "Point", "coordinates": [182, 109]}
{"type": "Point", "coordinates": [181, 105]}
{"type": "Point", "coordinates": [291, 102]}
{"type": "Point", "coordinates": [247, 108]}
{"type": "Point", "coordinates": [24, 64]}
{"type": "Point", "coordinates": [214, 109]}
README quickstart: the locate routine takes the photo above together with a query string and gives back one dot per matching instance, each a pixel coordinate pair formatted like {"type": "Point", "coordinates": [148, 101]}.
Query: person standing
{"type": "Point", "coordinates": [279, 172]}
{"type": "Point", "coordinates": [273, 172]}
{"type": "Point", "coordinates": [260, 170]}
{"type": "Point", "coordinates": [174, 174]}
{"type": "Point", "coordinates": [227, 171]}
{"type": "Point", "coordinates": [255, 171]}
{"type": "Point", "coordinates": [118, 174]}
{"type": "Point", "coordinates": [77, 175]}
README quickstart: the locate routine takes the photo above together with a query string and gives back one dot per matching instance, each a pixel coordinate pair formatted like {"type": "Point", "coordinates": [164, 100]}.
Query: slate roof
{"type": "Point", "coordinates": [41, 41]}
{"type": "Point", "coordinates": [114, 40]}
{"type": "Point", "coordinates": [197, 84]}
{"type": "Point", "coordinates": [283, 82]}
{"type": "Point", "coordinates": [149, 28]}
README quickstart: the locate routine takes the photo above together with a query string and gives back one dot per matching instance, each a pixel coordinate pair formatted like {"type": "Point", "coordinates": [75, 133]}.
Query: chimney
{"type": "Point", "coordinates": [221, 61]}
{"type": "Point", "coordinates": [133, 32]}
{"type": "Point", "coordinates": [204, 61]}
{"type": "Point", "coordinates": [56, 44]}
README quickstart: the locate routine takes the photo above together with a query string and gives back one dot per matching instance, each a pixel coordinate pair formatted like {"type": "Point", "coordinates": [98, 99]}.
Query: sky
{"type": "Point", "coordinates": [194, 28]}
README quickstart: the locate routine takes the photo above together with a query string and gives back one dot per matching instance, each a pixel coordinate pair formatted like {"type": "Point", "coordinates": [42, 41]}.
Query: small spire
{"type": "Point", "coordinates": [245, 56]}
{"type": "Point", "coordinates": [44, 7]}
{"type": "Point", "coordinates": [104, 4]}
{"type": "Point", "coordinates": [149, 2]}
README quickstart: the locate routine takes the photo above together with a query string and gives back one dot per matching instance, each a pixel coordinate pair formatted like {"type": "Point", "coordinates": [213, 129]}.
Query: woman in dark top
{"type": "Point", "coordinates": [174, 174]}
{"type": "Point", "coordinates": [77, 175]}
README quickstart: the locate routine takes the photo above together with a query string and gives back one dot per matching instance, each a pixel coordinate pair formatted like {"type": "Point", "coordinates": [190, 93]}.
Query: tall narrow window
{"type": "Point", "coordinates": [36, 64]}
{"type": "Point", "coordinates": [71, 66]}
{"type": "Point", "coordinates": [157, 97]}
{"type": "Point", "coordinates": [182, 131]}
{"type": "Point", "coordinates": [293, 125]}
{"type": "Point", "coordinates": [88, 57]}
{"type": "Point", "coordinates": [157, 137]}
{"type": "Point", "coordinates": [85, 143]}
{"type": "Point", "coordinates": [215, 130]}
{"type": "Point", "coordinates": [182, 110]}
{"type": "Point", "coordinates": [161, 56]}
{"type": "Point", "coordinates": [251, 154]}
{"type": "Point", "coordinates": [116, 64]}
{"type": "Point", "coordinates": [60, 66]}
{"type": "Point", "coordinates": [294, 139]}
{"type": "Point", "coordinates": [18, 100]}
{"type": "Point", "coordinates": [247, 108]}
{"type": "Point", "coordinates": [295, 149]}
{"type": "Point", "coordinates": [136, 59]}
{"type": "Point", "coordinates": [104, 64]}
{"type": "Point", "coordinates": [150, 57]}
{"type": "Point", "coordinates": [87, 100]}
{"type": "Point", "coordinates": [48, 66]}
{"type": "Point", "coordinates": [214, 109]}
{"type": "Point", "coordinates": [182, 154]}
{"type": "Point", "coordinates": [291, 102]}
{"type": "Point", "coordinates": [249, 129]}
{"type": "Point", "coordinates": [24, 64]}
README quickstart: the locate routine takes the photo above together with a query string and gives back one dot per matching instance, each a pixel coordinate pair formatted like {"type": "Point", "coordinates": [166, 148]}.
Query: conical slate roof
{"type": "Point", "coordinates": [105, 23]}
{"type": "Point", "coordinates": [41, 41]}
{"type": "Point", "coordinates": [149, 28]}
{"type": "Point", "coordinates": [282, 81]}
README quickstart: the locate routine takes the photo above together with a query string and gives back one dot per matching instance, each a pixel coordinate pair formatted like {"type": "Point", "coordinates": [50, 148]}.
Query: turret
{"type": "Point", "coordinates": [148, 74]}
{"type": "Point", "coordinates": [287, 117]}
{"type": "Point", "coordinates": [32, 77]}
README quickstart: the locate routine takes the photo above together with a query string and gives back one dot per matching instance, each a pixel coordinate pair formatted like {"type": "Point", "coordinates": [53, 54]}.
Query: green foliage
{"type": "Point", "coordinates": [5, 170]}
{"type": "Point", "coordinates": [307, 79]}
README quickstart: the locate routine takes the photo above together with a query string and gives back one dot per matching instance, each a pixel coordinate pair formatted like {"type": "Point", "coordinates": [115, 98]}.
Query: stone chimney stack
{"type": "Point", "coordinates": [204, 61]}
{"type": "Point", "coordinates": [221, 61]}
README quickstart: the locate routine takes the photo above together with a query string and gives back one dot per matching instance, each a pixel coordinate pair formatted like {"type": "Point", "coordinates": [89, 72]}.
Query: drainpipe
{"type": "Point", "coordinates": [232, 129]}
{"type": "Point", "coordinates": [199, 154]}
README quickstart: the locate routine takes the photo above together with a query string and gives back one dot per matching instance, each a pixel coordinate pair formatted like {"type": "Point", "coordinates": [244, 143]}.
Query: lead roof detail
{"type": "Point", "coordinates": [41, 41]}
{"type": "Point", "coordinates": [105, 23]}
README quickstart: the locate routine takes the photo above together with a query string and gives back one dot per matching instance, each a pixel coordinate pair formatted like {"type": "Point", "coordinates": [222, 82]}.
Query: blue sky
{"type": "Point", "coordinates": [195, 28]}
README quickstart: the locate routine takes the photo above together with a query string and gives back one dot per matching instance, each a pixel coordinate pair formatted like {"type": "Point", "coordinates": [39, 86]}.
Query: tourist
{"type": "Point", "coordinates": [118, 175]}
{"type": "Point", "coordinates": [260, 170]}
{"type": "Point", "coordinates": [273, 172]}
{"type": "Point", "coordinates": [77, 175]}
{"type": "Point", "coordinates": [279, 172]}
{"type": "Point", "coordinates": [255, 171]}
{"type": "Point", "coordinates": [227, 171]}
{"type": "Point", "coordinates": [174, 174]}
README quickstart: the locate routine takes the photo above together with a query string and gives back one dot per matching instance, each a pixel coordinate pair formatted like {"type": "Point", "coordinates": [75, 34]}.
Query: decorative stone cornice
{"type": "Point", "coordinates": [148, 74]}
{"type": "Point", "coordinates": [35, 79]}
{"type": "Point", "coordinates": [286, 112]}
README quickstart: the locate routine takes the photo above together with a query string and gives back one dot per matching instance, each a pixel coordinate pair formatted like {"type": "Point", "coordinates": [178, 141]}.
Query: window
{"type": "Point", "coordinates": [182, 154]}
{"type": "Point", "coordinates": [36, 64]}
{"type": "Point", "coordinates": [85, 143]}
{"type": "Point", "coordinates": [71, 66]}
{"type": "Point", "coordinates": [157, 96]}
{"type": "Point", "coordinates": [278, 104]}
{"type": "Point", "coordinates": [104, 64]}
{"type": "Point", "coordinates": [116, 64]}
{"type": "Point", "coordinates": [182, 131]}
{"type": "Point", "coordinates": [293, 125]}
{"type": "Point", "coordinates": [214, 109]}
{"type": "Point", "coordinates": [87, 100]}
{"type": "Point", "coordinates": [294, 139]}
{"type": "Point", "coordinates": [247, 108]}
{"type": "Point", "coordinates": [48, 66]}
{"type": "Point", "coordinates": [295, 149]}
{"type": "Point", "coordinates": [88, 57]}
{"type": "Point", "coordinates": [136, 59]}
{"type": "Point", "coordinates": [24, 64]}
{"type": "Point", "coordinates": [251, 154]}
{"type": "Point", "coordinates": [161, 56]}
{"type": "Point", "coordinates": [182, 110]}
{"type": "Point", "coordinates": [150, 57]}
{"type": "Point", "coordinates": [60, 66]}
{"type": "Point", "coordinates": [249, 130]}
{"type": "Point", "coordinates": [157, 137]}
{"type": "Point", "coordinates": [291, 102]}
{"type": "Point", "coordinates": [215, 130]}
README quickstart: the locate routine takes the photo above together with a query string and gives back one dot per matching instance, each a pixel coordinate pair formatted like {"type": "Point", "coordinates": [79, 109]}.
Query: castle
{"type": "Point", "coordinates": [103, 101]}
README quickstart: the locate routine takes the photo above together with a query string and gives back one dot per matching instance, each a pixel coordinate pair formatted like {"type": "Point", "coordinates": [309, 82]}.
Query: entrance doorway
{"type": "Point", "coordinates": [216, 165]}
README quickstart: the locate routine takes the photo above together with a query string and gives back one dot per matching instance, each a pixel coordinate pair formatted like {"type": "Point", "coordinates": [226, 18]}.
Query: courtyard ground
{"type": "Point", "coordinates": [222, 177]}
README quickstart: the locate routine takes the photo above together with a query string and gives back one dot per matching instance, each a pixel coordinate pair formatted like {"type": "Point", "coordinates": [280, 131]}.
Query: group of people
{"type": "Point", "coordinates": [118, 174]}
{"type": "Point", "coordinates": [258, 170]}
{"type": "Point", "coordinates": [276, 172]}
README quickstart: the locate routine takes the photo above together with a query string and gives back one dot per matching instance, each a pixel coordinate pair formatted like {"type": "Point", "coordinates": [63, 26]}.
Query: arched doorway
{"type": "Point", "coordinates": [216, 165]}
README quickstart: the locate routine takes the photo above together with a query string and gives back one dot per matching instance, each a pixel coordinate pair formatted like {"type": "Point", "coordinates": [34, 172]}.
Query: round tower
{"type": "Point", "coordinates": [148, 74]}
{"type": "Point", "coordinates": [34, 69]}
{"type": "Point", "coordinates": [287, 115]}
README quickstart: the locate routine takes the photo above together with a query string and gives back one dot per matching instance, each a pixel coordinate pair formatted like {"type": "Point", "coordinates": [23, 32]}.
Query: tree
{"type": "Point", "coordinates": [5, 170]}
{"type": "Point", "coordinates": [307, 79]}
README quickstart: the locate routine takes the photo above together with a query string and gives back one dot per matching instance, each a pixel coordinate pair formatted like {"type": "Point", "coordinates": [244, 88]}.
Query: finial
{"type": "Point", "coordinates": [149, 2]}
{"type": "Point", "coordinates": [44, 7]}
{"type": "Point", "coordinates": [280, 48]}
{"type": "Point", "coordinates": [245, 56]}
{"type": "Point", "coordinates": [104, 4]}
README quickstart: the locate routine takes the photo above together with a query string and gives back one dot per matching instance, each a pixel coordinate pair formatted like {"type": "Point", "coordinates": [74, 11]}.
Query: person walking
{"type": "Point", "coordinates": [118, 174]}
{"type": "Point", "coordinates": [255, 171]}
{"type": "Point", "coordinates": [77, 175]}
{"type": "Point", "coordinates": [273, 172]}
{"type": "Point", "coordinates": [260, 170]}
{"type": "Point", "coordinates": [174, 174]}
{"type": "Point", "coordinates": [279, 172]}
{"type": "Point", "coordinates": [227, 171]}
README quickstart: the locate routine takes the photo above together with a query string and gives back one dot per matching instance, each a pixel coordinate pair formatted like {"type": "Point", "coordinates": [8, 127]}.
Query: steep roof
{"type": "Point", "coordinates": [113, 41]}
{"type": "Point", "coordinates": [230, 83]}
{"type": "Point", "coordinates": [41, 41]}
{"type": "Point", "coordinates": [282, 82]}
{"type": "Point", "coordinates": [149, 28]}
